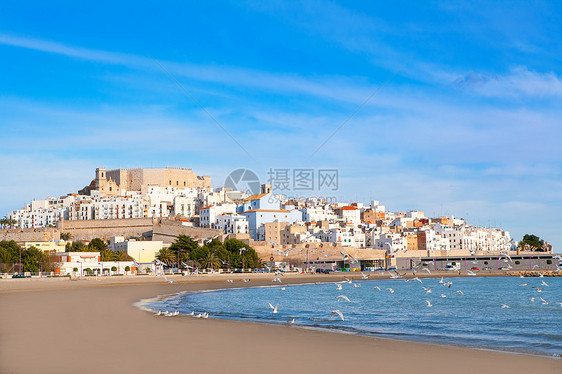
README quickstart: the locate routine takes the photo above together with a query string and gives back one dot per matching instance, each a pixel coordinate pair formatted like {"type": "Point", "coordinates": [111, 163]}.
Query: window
{"type": "Point", "coordinates": [170, 182]}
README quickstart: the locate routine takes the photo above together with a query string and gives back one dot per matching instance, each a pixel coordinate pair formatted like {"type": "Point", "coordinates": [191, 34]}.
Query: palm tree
{"type": "Point", "coordinates": [166, 256]}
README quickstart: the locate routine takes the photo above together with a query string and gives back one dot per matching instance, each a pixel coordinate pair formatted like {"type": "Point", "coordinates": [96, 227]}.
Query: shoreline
{"type": "Point", "coordinates": [90, 318]}
{"type": "Point", "coordinates": [141, 304]}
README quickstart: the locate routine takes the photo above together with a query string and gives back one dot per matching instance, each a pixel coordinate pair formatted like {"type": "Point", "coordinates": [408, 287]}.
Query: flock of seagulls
{"type": "Point", "coordinates": [339, 287]}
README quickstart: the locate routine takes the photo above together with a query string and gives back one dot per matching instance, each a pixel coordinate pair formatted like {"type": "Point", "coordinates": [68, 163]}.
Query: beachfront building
{"type": "Point", "coordinates": [48, 247]}
{"type": "Point", "coordinates": [89, 263]}
{"type": "Point", "coordinates": [143, 251]}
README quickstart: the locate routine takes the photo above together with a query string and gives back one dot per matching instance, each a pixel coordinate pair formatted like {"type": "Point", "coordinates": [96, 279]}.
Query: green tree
{"type": "Point", "coordinates": [77, 247]}
{"type": "Point", "coordinates": [533, 241]}
{"type": "Point", "coordinates": [120, 255]}
{"type": "Point", "coordinates": [65, 236]}
{"type": "Point", "coordinates": [182, 248]}
{"type": "Point", "coordinates": [127, 268]}
{"type": "Point", "coordinates": [166, 256]}
{"type": "Point", "coordinates": [249, 258]}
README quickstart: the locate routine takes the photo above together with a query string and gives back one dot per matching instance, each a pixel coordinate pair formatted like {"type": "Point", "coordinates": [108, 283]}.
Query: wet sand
{"type": "Point", "coordinates": [91, 326]}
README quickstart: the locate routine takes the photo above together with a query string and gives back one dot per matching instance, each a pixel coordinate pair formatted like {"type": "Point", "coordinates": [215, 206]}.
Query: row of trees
{"type": "Point", "coordinates": [32, 259]}
{"type": "Point", "coordinates": [213, 254]}
{"type": "Point", "coordinates": [6, 223]}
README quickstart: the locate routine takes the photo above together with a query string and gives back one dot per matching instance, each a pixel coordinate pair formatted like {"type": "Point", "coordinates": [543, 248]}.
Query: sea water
{"type": "Point", "coordinates": [494, 312]}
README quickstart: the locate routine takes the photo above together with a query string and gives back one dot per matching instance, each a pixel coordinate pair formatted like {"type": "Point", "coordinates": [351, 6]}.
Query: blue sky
{"type": "Point", "coordinates": [465, 118]}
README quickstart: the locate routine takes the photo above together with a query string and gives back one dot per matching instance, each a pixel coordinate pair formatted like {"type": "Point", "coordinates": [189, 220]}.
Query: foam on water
{"type": "Point", "coordinates": [476, 319]}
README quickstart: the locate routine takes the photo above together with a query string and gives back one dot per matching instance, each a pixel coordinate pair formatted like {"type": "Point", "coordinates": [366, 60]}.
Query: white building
{"type": "Point", "coordinates": [231, 224]}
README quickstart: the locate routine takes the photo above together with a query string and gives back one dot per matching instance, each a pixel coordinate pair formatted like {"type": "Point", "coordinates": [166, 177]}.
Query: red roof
{"type": "Point", "coordinates": [348, 208]}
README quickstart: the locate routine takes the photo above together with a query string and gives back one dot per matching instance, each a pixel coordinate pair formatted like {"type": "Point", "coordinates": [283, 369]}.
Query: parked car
{"type": "Point", "coordinates": [487, 268]}
{"type": "Point", "coordinates": [19, 276]}
{"type": "Point", "coordinates": [323, 271]}
{"type": "Point", "coordinates": [474, 268]}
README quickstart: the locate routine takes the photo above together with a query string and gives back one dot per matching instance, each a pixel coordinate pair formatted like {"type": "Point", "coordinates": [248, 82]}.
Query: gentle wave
{"type": "Point", "coordinates": [476, 319]}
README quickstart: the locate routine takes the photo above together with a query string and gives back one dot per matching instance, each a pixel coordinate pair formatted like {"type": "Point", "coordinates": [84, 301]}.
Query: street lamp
{"type": "Point", "coordinates": [242, 250]}
{"type": "Point", "coordinates": [20, 260]}
{"type": "Point", "coordinates": [41, 274]}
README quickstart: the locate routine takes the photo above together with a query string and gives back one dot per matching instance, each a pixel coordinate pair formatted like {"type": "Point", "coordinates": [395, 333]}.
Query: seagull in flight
{"type": "Point", "coordinates": [544, 284]}
{"type": "Point", "coordinates": [428, 303]}
{"type": "Point", "coordinates": [448, 284]}
{"type": "Point", "coordinates": [273, 307]}
{"type": "Point", "coordinates": [544, 302]}
{"type": "Point", "coordinates": [356, 285]}
{"type": "Point", "coordinates": [427, 290]}
{"type": "Point", "coordinates": [443, 295]}
{"type": "Point", "coordinates": [417, 279]}
{"type": "Point", "coordinates": [365, 276]}
{"type": "Point", "coordinates": [343, 297]}
{"type": "Point", "coordinates": [523, 284]}
{"type": "Point", "coordinates": [426, 269]}
{"type": "Point", "coordinates": [538, 289]}
{"type": "Point", "coordinates": [470, 272]}
{"type": "Point", "coordinates": [338, 312]}
{"type": "Point", "coordinates": [459, 291]}
{"type": "Point", "coordinates": [376, 288]}
{"type": "Point", "coordinates": [441, 281]}
{"type": "Point", "coordinates": [339, 286]}
{"type": "Point", "coordinates": [390, 290]}
{"type": "Point", "coordinates": [292, 321]}
{"type": "Point", "coordinates": [532, 299]}
{"type": "Point", "coordinates": [276, 280]}
{"type": "Point", "coordinates": [505, 306]}
{"type": "Point", "coordinates": [283, 288]}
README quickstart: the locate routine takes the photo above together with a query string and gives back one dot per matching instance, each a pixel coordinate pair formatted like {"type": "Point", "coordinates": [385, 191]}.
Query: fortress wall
{"type": "Point", "coordinates": [168, 231]}
{"type": "Point", "coordinates": [30, 235]}
{"type": "Point", "coordinates": [106, 228]}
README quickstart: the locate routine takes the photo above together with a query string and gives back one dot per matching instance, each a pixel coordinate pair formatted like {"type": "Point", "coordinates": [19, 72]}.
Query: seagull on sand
{"type": "Point", "coordinates": [229, 280]}
{"type": "Point", "coordinates": [343, 297]}
{"type": "Point", "coordinates": [276, 280]}
{"type": "Point", "coordinates": [292, 321]}
{"type": "Point", "coordinates": [338, 312]}
{"type": "Point", "coordinates": [427, 290]}
{"type": "Point", "coordinates": [390, 290]}
{"type": "Point", "coordinates": [273, 307]}
{"type": "Point", "coordinates": [428, 303]}
{"type": "Point", "coordinates": [459, 291]}
{"type": "Point", "coordinates": [245, 280]}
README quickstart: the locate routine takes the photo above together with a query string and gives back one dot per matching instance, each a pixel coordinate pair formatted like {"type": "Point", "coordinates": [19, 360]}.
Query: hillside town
{"type": "Point", "coordinates": [310, 233]}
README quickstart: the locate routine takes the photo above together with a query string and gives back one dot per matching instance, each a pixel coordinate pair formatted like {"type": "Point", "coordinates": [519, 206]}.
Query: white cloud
{"type": "Point", "coordinates": [519, 82]}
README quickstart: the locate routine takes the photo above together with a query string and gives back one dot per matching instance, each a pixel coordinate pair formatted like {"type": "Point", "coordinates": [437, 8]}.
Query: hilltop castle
{"type": "Point", "coordinates": [113, 182]}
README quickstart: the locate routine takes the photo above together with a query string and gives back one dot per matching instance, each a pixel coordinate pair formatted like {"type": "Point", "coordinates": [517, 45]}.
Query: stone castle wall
{"type": "Point", "coordinates": [168, 231]}
{"type": "Point", "coordinates": [30, 235]}
{"type": "Point", "coordinates": [106, 228]}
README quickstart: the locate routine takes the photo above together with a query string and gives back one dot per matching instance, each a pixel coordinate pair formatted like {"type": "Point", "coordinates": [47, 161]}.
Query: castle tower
{"type": "Point", "coordinates": [101, 178]}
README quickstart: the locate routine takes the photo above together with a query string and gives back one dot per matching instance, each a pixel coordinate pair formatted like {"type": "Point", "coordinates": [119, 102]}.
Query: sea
{"type": "Point", "coordinates": [496, 313]}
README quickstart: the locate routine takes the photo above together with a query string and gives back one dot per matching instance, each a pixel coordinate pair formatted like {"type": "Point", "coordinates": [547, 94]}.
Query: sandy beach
{"type": "Point", "coordinates": [91, 326]}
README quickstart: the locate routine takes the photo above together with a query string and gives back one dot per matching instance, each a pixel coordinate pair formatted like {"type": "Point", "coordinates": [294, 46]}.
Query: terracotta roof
{"type": "Point", "coordinates": [348, 208]}
{"type": "Point", "coordinates": [207, 207]}
{"type": "Point", "coordinates": [253, 197]}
